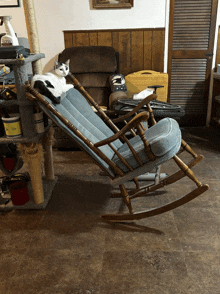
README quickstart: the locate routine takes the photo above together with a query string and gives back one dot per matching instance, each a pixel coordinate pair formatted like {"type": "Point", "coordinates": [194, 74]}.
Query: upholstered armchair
{"type": "Point", "coordinates": [92, 66]}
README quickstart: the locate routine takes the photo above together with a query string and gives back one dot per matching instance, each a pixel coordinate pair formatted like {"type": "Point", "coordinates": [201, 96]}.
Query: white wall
{"type": "Point", "coordinates": [54, 16]}
{"type": "Point", "coordinates": [17, 21]}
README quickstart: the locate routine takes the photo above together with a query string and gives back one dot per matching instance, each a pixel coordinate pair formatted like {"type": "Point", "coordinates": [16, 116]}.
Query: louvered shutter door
{"type": "Point", "coordinates": [190, 57]}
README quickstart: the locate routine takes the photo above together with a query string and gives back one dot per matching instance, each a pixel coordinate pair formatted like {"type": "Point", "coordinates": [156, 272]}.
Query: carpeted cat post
{"type": "Point", "coordinates": [32, 153]}
{"type": "Point", "coordinates": [33, 39]}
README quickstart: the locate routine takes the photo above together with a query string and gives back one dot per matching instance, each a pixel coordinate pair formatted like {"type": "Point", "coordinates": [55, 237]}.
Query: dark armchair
{"type": "Point", "coordinates": [92, 66]}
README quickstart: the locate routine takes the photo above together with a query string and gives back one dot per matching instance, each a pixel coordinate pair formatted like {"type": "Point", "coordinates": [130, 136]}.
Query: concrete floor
{"type": "Point", "coordinates": [67, 249]}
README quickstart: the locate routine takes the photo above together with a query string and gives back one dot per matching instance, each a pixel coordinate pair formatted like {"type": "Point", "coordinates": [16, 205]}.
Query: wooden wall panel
{"type": "Point", "coordinates": [147, 52]}
{"type": "Point", "coordinates": [138, 49]}
{"type": "Point", "coordinates": [81, 39]}
{"type": "Point", "coordinates": [156, 48]}
{"type": "Point", "coordinates": [105, 39]}
{"type": "Point", "coordinates": [68, 39]}
{"type": "Point", "coordinates": [124, 49]}
{"type": "Point", "coordinates": [93, 39]}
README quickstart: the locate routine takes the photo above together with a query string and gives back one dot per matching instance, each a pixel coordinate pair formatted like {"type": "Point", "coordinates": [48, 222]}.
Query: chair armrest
{"type": "Point", "coordinates": [143, 116]}
{"type": "Point", "coordinates": [138, 107]}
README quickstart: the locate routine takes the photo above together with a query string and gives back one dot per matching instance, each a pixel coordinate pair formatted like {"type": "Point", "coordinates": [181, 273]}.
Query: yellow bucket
{"type": "Point", "coordinates": [12, 126]}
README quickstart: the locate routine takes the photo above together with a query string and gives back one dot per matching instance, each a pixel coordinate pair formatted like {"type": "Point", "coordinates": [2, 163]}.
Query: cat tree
{"type": "Point", "coordinates": [34, 161]}
{"type": "Point", "coordinates": [33, 148]}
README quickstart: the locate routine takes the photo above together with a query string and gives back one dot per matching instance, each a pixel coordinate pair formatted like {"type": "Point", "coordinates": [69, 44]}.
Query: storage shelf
{"type": "Point", "coordinates": [8, 103]}
{"type": "Point", "coordinates": [5, 140]}
{"type": "Point", "coordinates": [48, 186]}
{"type": "Point", "coordinates": [30, 58]}
{"type": "Point", "coordinates": [30, 135]}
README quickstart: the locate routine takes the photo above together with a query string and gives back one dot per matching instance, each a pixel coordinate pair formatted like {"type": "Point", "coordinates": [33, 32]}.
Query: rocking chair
{"type": "Point", "coordinates": [123, 159]}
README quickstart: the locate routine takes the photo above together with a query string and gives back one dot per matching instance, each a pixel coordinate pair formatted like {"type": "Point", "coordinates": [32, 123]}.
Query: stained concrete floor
{"type": "Point", "coordinates": [67, 249]}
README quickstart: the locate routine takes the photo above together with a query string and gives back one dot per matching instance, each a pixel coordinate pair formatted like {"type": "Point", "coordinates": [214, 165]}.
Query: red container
{"type": "Point", "coordinates": [9, 162]}
{"type": "Point", "coordinates": [19, 192]}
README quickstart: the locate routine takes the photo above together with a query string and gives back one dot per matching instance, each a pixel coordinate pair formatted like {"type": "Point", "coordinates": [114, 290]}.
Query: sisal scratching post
{"type": "Point", "coordinates": [32, 33]}
{"type": "Point", "coordinates": [32, 154]}
{"type": "Point", "coordinates": [47, 141]}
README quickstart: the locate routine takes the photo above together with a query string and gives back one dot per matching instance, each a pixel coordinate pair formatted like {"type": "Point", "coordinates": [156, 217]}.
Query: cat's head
{"type": "Point", "coordinates": [61, 69]}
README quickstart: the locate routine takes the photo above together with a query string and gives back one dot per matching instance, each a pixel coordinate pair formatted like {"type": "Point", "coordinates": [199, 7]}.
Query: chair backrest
{"type": "Point", "coordinates": [77, 110]}
{"type": "Point", "coordinates": [92, 66]}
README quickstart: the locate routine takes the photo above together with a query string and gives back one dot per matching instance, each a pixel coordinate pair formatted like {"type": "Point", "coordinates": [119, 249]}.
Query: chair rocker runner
{"type": "Point", "coordinates": [121, 158]}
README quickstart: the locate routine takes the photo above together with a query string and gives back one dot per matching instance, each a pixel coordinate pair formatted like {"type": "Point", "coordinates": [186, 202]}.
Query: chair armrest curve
{"type": "Point", "coordinates": [143, 116]}
{"type": "Point", "coordinates": [138, 107]}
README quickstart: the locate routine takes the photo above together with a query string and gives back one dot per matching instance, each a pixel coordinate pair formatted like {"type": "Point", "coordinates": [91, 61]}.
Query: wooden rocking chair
{"type": "Point", "coordinates": [121, 158]}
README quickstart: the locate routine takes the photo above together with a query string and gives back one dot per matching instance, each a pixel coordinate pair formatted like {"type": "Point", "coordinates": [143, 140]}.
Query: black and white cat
{"type": "Point", "coordinates": [53, 84]}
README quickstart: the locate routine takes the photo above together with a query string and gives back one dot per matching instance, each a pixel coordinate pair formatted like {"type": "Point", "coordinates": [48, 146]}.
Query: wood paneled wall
{"type": "Point", "coordinates": [138, 48]}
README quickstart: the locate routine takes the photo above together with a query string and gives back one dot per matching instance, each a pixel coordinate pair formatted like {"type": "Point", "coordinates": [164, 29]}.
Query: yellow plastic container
{"type": "Point", "coordinates": [12, 126]}
{"type": "Point", "coordinates": [139, 81]}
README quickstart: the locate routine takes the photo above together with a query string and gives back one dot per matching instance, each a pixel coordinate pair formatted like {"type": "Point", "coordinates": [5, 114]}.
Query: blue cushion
{"type": "Point", "coordinates": [164, 139]}
{"type": "Point", "coordinates": [76, 109]}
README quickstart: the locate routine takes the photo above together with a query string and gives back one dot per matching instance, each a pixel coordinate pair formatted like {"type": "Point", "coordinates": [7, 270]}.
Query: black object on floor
{"type": "Point", "coordinates": [160, 109]}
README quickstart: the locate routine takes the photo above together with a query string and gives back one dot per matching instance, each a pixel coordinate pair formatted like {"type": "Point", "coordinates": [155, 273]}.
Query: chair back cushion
{"type": "Point", "coordinates": [76, 109]}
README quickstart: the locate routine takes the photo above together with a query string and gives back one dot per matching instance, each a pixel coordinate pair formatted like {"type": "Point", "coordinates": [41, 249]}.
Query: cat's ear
{"type": "Point", "coordinates": [56, 63]}
{"type": "Point", "coordinates": [67, 62]}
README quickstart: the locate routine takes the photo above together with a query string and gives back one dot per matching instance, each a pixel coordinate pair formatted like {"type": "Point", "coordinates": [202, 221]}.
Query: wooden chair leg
{"type": "Point", "coordinates": [187, 148]}
{"type": "Point", "coordinates": [126, 198]}
{"type": "Point", "coordinates": [136, 183]}
{"type": "Point", "coordinates": [186, 170]}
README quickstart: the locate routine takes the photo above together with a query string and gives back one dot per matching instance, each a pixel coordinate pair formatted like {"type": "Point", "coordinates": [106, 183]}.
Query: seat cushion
{"type": "Point", "coordinates": [164, 139]}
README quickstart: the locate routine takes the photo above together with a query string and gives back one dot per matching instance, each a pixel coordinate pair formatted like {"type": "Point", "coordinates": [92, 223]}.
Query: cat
{"type": "Point", "coordinates": [53, 84]}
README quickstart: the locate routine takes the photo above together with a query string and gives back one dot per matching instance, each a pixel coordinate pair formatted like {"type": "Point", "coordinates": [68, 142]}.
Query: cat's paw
{"type": "Point", "coordinates": [55, 100]}
{"type": "Point", "coordinates": [69, 86]}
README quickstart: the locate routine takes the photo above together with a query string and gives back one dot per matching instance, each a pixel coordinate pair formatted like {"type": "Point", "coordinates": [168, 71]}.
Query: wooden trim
{"type": "Point", "coordinates": [218, 49]}
{"type": "Point", "coordinates": [114, 30]}
{"type": "Point", "coordinates": [11, 6]}
{"type": "Point", "coordinates": [112, 6]}
{"type": "Point", "coordinates": [193, 54]}
{"type": "Point", "coordinates": [139, 49]}
{"type": "Point", "coordinates": [185, 42]}
{"type": "Point", "coordinates": [170, 42]}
